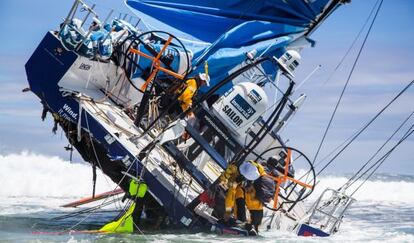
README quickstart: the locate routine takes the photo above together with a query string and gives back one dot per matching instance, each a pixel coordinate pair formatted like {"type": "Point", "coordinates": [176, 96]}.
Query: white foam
{"type": "Point", "coordinates": [375, 191]}
{"type": "Point", "coordinates": [33, 175]}
{"type": "Point", "coordinates": [34, 183]}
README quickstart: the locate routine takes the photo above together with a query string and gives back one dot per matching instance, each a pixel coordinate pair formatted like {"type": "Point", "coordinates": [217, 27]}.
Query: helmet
{"type": "Point", "coordinates": [273, 161]}
{"type": "Point", "coordinates": [289, 61]}
{"type": "Point", "coordinates": [77, 23]}
{"type": "Point", "coordinates": [249, 171]}
{"type": "Point", "coordinates": [96, 21]}
{"type": "Point", "coordinates": [205, 77]}
{"type": "Point", "coordinates": [95, 25]}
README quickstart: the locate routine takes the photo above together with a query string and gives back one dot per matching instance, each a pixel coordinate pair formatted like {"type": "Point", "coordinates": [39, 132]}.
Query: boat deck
{"type": "Point", "coordinates": [159, 163]}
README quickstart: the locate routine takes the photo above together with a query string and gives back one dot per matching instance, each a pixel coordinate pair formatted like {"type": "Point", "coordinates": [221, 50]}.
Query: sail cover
{"type": "Point", "coordinates": [218, 30]}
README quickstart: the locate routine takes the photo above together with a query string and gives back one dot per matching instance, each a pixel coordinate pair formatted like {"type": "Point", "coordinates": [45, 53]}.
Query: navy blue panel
{"type": "Point", "coordinates": [306, 230]}
{"type": "Point", "coordinates": [48, 64]}
{"type": "Point", "coordinates": [44, 69]}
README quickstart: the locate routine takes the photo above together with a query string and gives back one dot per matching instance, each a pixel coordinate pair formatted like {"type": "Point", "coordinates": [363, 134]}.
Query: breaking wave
{"type": "Point", "coordinates": [375, 190]}
{"type": "Point", "coordinates": [33, 175]}
{"type": "Point", "coordinates": [34, 185]}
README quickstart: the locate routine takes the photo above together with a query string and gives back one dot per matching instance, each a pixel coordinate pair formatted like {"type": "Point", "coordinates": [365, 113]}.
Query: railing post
{"type": "Point", "coordinates": [87, 15]}
{"type": "Point", "coordinates": [69, 17]}
{"type": "Point", "coordinates": [74, 9]}
{"type": "Point", "coordinates": [86, 36]}
{"type": "Point", "coordinates": [106, 20]}
{"type": "Point", "coordinates": [108, 16]}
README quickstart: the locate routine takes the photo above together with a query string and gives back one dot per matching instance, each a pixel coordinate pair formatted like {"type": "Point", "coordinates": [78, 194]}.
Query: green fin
{"type": "Point", "coordinates": [123, 225]}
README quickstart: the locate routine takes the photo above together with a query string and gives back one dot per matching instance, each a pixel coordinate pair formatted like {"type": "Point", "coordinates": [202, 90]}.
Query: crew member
{"type": "Point", "coordinates": [276, 167]}
{"type": "Point", "coordinates": [185, 99]}
{"type": "Point", "coordinates": [191, 88]}
{"type": "Point", "coordinates": [242, 193]}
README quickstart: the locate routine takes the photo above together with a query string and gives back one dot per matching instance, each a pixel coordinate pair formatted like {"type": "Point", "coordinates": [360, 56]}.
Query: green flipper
{"type": "Point", "coordinates": [125, 224]}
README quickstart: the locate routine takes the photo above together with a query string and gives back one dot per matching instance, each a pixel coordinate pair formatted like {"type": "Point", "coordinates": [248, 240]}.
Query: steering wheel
{"type": "Point", "coordinates": [291, 190]}
{"type": "Point", "coordinates": [157, 58]}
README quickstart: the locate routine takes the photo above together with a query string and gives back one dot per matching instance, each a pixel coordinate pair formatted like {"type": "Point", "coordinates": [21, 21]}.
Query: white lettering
{"type": "Point", "coordinates": [70, 111]}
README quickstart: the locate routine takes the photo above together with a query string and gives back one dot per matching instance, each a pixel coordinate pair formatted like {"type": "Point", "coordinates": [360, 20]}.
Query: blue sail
{"type": "Point", "coordinates": [207, 20]}
{"type": "Point", "coordinates": [222, 31]}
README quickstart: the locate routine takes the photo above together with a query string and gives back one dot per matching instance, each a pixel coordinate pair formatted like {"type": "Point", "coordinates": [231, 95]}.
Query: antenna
{"type": "Point", "coordinates": [307, 77]}
{"type": "Point", "coordinates": [206, 67]}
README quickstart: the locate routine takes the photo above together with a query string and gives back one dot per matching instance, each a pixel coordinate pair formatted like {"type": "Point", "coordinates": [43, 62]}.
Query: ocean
{"type": "Point", "coordinates": [33, 186]}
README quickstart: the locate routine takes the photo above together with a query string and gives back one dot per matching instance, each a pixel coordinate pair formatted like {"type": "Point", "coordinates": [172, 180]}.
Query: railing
{"type": "Point", "coordinates": [90, 15]}
{"type": "Point", "coordinates": [328, 212]}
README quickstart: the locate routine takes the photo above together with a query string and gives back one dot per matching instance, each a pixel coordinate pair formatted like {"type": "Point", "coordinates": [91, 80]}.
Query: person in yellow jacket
{"type": "Point", "coordinates": [186, 97]}
{"type": "Point", "coordinates": [191, 88]}
{"type": "Point", "coordinates": [241, 193]}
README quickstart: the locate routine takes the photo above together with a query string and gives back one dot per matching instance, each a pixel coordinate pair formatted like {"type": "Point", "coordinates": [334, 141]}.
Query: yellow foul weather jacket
{"type": "Point", "coordinates": [236, 191]}
{"type": "Point", "coordinates": [186, 97]}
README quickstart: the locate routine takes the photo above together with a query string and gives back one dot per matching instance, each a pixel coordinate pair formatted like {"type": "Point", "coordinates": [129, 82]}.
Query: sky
{"type": "Point", "coordinates": [384, 68]}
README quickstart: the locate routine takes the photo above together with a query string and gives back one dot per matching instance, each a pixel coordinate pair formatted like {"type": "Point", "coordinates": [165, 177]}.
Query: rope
{"type": "Point", "coordinates": [104, 116]}
{"type": "Point", "coordinates": [153, 111]}
{"type": "Point", "coordinates": [87, 210]}
{"type": "Point", "coordinates": [384, 158]}
{"type": "Point", "coordinates": [93, 146]}
{"type": "Point", "coordinates": [338, 147]}
{"type": "Point", "coordinates": [117, 186]}
{"type": "Point", "coordinates": [347, 82]}
{"type": "Point", "coordinates": [352, 45]}
{"type": "Point", "coordinates": [351, 181]}
{"type": "Point", "coordinates": [366, 126]}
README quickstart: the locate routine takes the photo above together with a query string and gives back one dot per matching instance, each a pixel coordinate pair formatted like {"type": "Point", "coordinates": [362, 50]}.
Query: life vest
{"type": "Point", "coordinates": [230, 174]}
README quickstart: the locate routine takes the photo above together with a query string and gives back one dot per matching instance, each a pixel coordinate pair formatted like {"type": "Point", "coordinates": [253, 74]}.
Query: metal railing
{"type": "Point", "coordinates": [328, 212]}
{"type": "Point", "coordinates": [78, 7]}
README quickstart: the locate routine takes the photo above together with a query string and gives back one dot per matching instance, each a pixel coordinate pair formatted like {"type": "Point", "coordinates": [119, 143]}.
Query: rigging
{"type": "Point", "coordinates": [366, 126]}
{"type": "Point", "coordinates": [352, 180]}
{"type": "Point", "coordinates": [381, 160]}
{"type": "Point", "coordinates": [347, 82]}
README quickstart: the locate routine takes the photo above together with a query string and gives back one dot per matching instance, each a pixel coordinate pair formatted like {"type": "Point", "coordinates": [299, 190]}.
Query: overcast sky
{"type": "Point", "coordinates": [385, 67]}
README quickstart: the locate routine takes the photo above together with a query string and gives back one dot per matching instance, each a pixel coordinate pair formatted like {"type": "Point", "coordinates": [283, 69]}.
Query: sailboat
{"type": "Point", "coordinates": [113, 85]}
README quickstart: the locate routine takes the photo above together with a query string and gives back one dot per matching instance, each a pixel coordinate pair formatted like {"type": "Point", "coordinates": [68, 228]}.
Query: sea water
{"type": "Point", "coordinates": [32, 188]}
